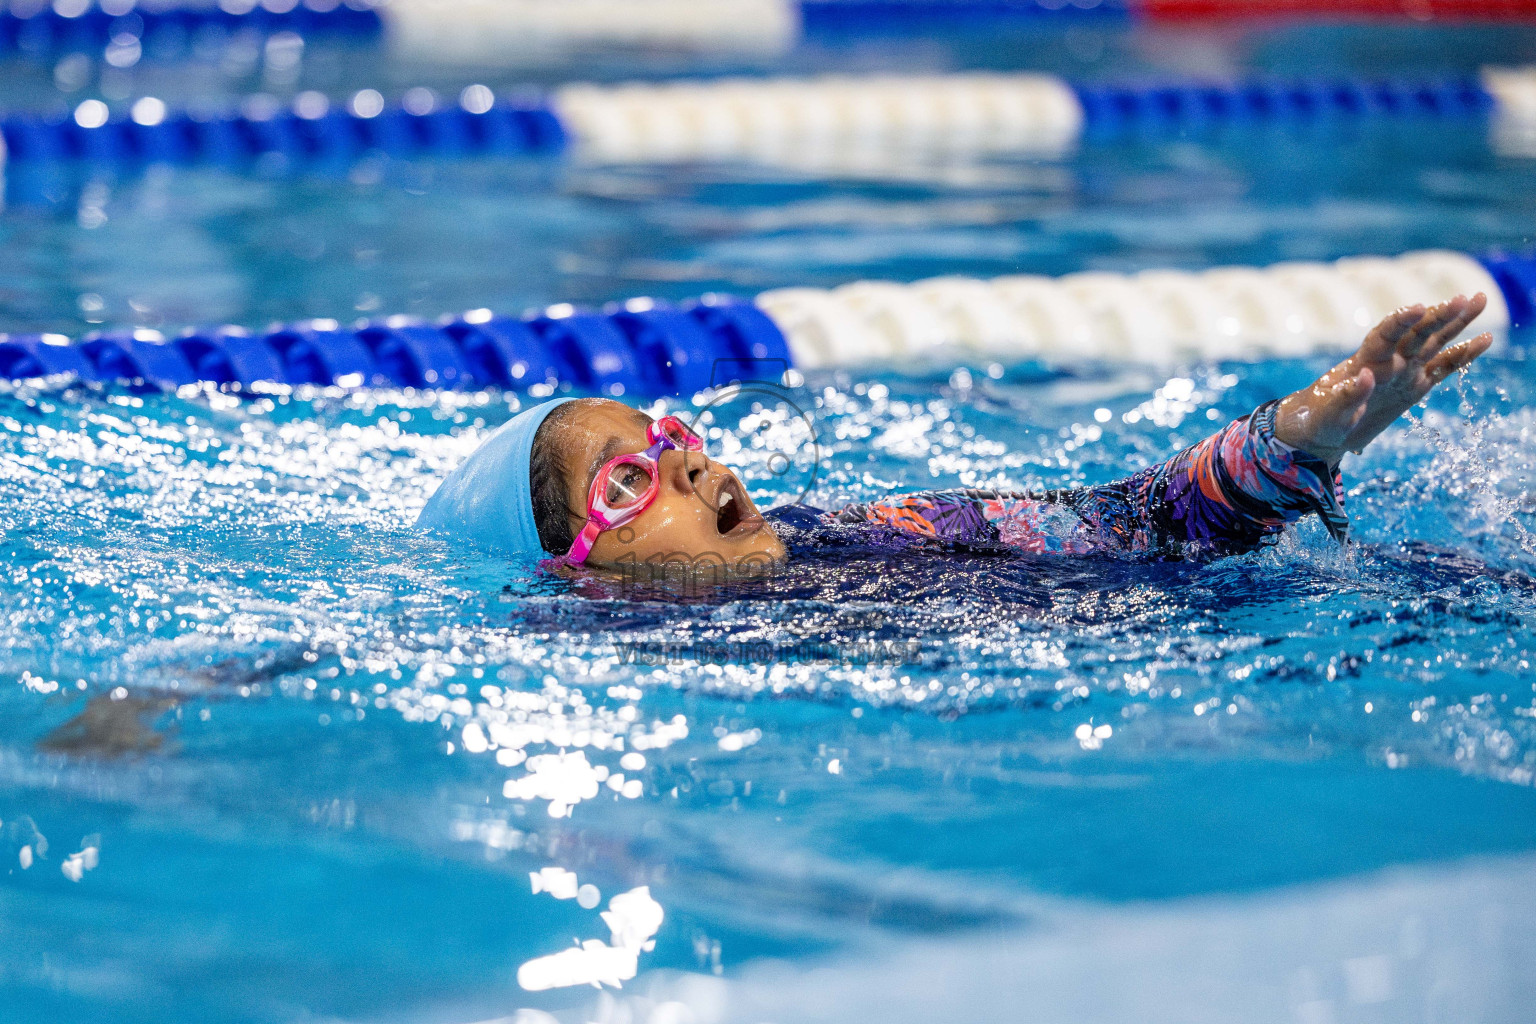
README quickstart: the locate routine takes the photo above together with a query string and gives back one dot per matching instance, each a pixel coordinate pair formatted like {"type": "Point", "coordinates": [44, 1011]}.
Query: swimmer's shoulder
{"type": "Point", "coordinates": [795, 514]}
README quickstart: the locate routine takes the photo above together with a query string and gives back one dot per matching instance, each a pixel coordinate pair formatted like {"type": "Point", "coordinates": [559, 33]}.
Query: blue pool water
{"type": "Point", "coordinates": [1293, 786]}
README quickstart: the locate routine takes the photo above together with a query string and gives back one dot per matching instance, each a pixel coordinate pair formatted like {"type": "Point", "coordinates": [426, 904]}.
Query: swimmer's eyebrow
{"type": "Point", "coordinates": [613, 448]}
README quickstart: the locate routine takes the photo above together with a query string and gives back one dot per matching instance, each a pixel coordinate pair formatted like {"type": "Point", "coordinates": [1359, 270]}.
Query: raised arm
{"type": "Point", "coordinates": [1240, 487]}
{"type": "Point", "coordinates": [1399, 362]}
{"type": "Point", "coordinates": [1236, 489]}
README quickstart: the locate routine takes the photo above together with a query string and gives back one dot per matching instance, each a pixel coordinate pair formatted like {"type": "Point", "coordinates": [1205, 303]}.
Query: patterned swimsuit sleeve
{"type": "Point", "coordinates": [1232, 492]}
{"type": "Point", "coordinates": [981, 520]}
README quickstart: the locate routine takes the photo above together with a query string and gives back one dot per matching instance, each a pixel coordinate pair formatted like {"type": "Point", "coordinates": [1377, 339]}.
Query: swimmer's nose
{"type": "Point", "coordinates": [685, 472]}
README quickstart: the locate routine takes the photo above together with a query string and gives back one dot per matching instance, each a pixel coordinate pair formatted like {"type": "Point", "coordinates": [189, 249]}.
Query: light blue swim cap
{"type": "Point", "coordinates": [488, 500]}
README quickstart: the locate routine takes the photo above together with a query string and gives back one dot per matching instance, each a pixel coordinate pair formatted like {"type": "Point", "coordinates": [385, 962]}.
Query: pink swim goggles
{"type": "Point", "coordinates": [627, 484]}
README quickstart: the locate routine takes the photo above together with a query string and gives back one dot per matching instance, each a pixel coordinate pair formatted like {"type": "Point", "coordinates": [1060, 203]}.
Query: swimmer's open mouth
{"type": "Point", "coordinates": [734, 514]}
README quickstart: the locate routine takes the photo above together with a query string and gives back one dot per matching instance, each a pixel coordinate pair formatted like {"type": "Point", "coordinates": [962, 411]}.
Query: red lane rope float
{"type": "Point", "coordinates": [1407, 10]}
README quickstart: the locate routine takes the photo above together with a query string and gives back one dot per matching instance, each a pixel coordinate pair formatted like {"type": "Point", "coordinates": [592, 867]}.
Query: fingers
{"type": "Point", "coordinates": [1438, 325]}
{"type": "Point", "coordinates": [1457, 357]}
{"type": "Point", "coordinates": [1385, 336]}
{"type": "Point", "coordinates": [1433, 319]}
{"type": "Point", "coordinates": [1475, 305]}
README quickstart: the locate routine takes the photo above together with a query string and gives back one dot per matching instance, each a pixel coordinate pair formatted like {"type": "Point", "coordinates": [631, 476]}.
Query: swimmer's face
{"type": "Point", "coordinates": [701, 515]}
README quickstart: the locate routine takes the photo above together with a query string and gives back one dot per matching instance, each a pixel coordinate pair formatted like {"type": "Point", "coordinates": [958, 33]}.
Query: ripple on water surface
{"type": "Point", "coordinates": [320, 702]}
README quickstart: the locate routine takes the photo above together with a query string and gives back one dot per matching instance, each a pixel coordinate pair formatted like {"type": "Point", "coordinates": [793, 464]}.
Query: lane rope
{"type": "Point", "coordinates": [644, 348]}
{"type": "Point", "coordinates": [474, 30]}
{"type": "Point", "coordinates": [765, 120]}
{"type": "Point", "coordinates": [1158, 316]}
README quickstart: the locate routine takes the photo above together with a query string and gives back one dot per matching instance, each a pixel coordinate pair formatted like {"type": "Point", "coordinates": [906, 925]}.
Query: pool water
{"type": "Point", "coordinates": [270, 755]}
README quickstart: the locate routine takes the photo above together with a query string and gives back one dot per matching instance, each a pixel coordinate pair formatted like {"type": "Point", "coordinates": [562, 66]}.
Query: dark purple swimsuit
{"type": "Point", "coordinates": [1232, 492]}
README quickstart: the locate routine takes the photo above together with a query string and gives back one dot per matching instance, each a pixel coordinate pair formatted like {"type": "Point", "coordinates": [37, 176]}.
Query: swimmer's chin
{"type": "Point", "coordinates": [702, 570]}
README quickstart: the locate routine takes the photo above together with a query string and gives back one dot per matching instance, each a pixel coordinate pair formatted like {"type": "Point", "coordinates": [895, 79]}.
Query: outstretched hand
{"type": "Point", "coordinates": [1399, 362]}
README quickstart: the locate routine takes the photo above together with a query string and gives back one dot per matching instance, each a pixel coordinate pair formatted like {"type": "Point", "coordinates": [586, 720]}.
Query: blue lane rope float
{"type": "Point", "coordinates": [36, 26]}
{"type": "Point", "coordinates": [742, 119]}
{"type": "Point", "coordinates": [310, 129]}
{"type": "Point", "coordinates": [849, 16]}
{"type": "Point", "coordinates": [1516, 278]}
{"type": "Point", "coordinates": [644, 348]}
{"type": "Point", "coordinates": [1109, 109]}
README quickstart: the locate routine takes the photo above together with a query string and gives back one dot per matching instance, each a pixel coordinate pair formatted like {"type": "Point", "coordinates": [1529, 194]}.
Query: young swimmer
{"type": "Point", "coordinates": [602, 484]}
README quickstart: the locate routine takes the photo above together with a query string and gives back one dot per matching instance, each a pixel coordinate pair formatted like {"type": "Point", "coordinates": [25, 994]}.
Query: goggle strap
{"type": "Point", "coordinates": [581, 547]}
